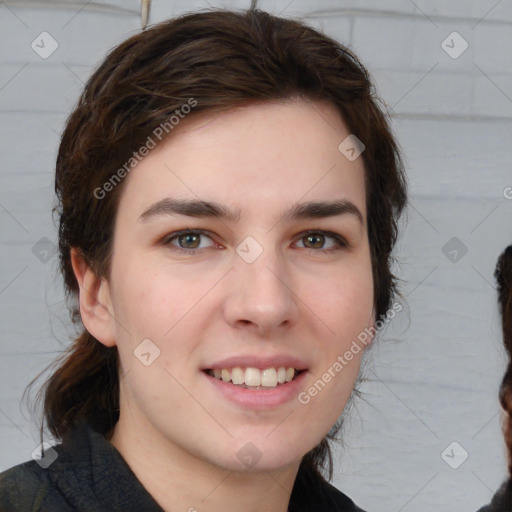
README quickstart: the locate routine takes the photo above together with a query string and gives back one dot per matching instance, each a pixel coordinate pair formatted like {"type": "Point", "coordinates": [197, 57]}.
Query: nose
{"type": "Point", "coordinates": [262, 294]}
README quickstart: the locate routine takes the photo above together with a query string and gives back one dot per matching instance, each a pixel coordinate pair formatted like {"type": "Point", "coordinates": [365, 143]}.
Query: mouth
{"type": "Point", "coordinates": [254, 378]}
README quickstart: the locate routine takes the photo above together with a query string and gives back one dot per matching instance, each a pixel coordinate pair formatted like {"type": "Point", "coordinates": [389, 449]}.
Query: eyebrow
{"type": "Point", "coordinates": [198, 208]}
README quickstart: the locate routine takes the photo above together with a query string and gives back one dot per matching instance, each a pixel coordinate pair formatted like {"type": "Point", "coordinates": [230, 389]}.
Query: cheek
{"type": "Point", "coordinates": [346, 299]}
{"type": "Point", "coordinates": [346, 308]}
{"type": "Point", "coordinates": [143, 298]}
{"type": "Point", "coordinates": [325, 397]}
{"type": "Point", "coordinates": [359, 285]}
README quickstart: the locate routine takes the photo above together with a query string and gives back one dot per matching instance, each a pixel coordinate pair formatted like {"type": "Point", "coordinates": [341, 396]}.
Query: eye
{"type": "Point", "coordinates": [188, 240]}
{"type": "Point", "coordinates": [317, 239]}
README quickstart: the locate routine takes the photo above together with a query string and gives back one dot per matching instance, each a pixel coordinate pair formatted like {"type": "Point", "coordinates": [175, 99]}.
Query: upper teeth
{"type": "Point", "coordinates": [269, 377]}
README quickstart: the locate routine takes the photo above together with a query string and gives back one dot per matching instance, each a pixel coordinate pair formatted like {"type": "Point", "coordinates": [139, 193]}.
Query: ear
{"type": "Point", "coordinates": [95, 301]}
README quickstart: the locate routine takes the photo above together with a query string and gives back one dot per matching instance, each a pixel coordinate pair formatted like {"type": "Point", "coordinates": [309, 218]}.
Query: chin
{"type": "Point", "coordinates": [260, 455]}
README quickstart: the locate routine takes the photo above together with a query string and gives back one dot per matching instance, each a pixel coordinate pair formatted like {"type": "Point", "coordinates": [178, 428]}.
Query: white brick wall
{"type": "Point", "coordinates": [438, 383]}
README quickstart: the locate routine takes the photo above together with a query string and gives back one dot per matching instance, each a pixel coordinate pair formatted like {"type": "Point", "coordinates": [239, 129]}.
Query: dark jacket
{"type": "Point", "coordinates": [89, 475]}
{"type": "Point", "coordinates": [502, 500]}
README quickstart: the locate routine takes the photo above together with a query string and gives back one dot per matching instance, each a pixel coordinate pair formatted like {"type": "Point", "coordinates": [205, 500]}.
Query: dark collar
{"type": "Point", "coordinates": [89, 470]}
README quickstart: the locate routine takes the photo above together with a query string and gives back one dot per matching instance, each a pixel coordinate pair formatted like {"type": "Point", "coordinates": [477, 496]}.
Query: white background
{"type": "Point", "coordinates": [434, 375]}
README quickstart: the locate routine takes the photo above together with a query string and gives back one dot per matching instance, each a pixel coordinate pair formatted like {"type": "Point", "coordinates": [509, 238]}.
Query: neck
{"type": "Point", "coordinates": [179, 481]}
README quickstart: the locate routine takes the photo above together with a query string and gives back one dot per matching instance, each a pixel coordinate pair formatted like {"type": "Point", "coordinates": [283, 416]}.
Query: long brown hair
{"type": "Point", "coordinates": [503, 275]}
{"type": "Point", "coordinates": [221, 59]}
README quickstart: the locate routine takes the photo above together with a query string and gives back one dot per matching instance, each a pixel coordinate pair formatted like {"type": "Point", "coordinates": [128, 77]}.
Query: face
{"type": "Point", "coordinates": [279, 285]}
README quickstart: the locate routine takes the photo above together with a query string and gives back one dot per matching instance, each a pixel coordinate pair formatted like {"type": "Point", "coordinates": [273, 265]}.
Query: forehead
{"type": "Point", "coordinates": [259, 157]}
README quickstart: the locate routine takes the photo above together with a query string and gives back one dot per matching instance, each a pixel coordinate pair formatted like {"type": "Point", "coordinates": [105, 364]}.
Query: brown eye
{"type": "Point", "coordinates": [191, 238]}
{"type": "Point", "coordinates": [187, 242]}
{"type": "Point", "coordinates": [316, 240]}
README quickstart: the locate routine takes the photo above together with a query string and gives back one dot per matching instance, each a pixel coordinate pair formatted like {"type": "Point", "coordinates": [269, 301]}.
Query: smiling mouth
{"type": "Point", "coordinates": [253, 378]}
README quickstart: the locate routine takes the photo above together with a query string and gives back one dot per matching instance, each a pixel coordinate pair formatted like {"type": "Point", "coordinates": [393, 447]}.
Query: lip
{"type": "Point", "coordinates": [259, 362]}
{"type": "Point", "coordinates": [259, 398]}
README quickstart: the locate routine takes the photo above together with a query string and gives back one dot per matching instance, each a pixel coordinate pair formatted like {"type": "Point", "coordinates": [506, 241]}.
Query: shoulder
{"type": "Point", "coordinates": [502, 500]}
{"type": "Point", "coordinates": [25, 487]}
{"type": "Point", "coordinates": [83, 472]}
{"type": "Point", "coordinates": [41, 485]}
{"type": "Point", "coordinates": [340, 502]}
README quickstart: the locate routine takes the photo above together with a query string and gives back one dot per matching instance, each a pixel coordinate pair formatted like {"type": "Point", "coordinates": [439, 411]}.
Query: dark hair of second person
{"type": "Point", "coordinates": [502, 500]}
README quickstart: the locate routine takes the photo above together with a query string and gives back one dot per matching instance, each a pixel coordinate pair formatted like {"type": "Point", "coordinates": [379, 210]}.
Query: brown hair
{"type": "Point", "coordinates": [503, 275]}
{"type": "Point", "coordinates": [221, 59]}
